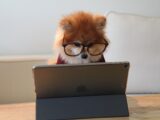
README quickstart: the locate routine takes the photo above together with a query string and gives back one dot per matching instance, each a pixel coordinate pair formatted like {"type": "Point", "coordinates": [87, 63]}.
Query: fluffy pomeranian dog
{"type": "Point", "coordinates": [80, 38]}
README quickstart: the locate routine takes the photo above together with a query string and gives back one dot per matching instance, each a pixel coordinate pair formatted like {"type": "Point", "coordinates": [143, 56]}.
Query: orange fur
{"type": "Point", "coordinates": [82, 26]}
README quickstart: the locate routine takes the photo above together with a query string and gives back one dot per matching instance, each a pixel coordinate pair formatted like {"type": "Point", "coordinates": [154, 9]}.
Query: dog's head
{"type": "Point", "coordinates": [81, 38]}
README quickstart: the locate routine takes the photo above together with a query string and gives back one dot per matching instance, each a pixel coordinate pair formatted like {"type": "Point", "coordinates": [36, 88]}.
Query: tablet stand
{"type": "Point", "coordinates": [81, 107]}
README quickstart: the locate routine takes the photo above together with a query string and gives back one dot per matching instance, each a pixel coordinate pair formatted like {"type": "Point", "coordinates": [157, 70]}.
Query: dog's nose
{"type": "Point", "coordinates": [84, 56]}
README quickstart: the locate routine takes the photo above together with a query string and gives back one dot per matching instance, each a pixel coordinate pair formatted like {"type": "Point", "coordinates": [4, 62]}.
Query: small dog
{"type": "Point", "coordinates": [80, 38]}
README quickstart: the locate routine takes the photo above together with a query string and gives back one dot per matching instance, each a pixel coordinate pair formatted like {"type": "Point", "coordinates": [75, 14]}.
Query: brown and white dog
{"type": "Point", "coordinates": [80, 38]}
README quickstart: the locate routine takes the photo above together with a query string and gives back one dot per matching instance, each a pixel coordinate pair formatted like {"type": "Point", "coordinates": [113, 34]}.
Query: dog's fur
{"type": "Point", "coordinates": [76, 25]}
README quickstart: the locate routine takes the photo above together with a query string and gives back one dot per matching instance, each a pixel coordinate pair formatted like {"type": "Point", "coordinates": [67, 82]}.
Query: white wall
{"type": "Point", "coordinates": [28, 26]}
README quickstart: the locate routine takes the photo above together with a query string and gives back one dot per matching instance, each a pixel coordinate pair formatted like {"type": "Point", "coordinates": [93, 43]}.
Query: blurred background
{"type": "Point", "coordinates": [27, 30]}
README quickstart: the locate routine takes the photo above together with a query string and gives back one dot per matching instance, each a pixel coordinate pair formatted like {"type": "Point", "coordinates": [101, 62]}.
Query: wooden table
{"type": "Point", "coordinates": [145, 107]}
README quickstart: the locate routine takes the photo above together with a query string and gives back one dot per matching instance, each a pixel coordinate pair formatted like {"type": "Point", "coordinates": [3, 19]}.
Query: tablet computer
{"type": "Point", "coordinates": [65, 80]}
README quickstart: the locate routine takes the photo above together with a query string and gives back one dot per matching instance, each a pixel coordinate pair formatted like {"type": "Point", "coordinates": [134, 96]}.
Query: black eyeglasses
{"type": "Point", "coordinates": [76, 48]}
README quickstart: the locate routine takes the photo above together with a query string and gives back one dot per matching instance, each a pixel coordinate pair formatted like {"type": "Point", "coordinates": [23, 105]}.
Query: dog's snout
{"type": "Point", "coordinates": [84, 56]}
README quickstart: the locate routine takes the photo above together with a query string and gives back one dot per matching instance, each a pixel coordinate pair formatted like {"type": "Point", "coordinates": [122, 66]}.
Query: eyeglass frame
{"type": "Point", "coordinates": [64, 45]}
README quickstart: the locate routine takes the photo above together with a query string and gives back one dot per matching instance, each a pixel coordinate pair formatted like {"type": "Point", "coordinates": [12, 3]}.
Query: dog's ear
{"type": "Point", "coordinates": [66, 25]}
{"type": "Point", "coordinates": [100, 22]}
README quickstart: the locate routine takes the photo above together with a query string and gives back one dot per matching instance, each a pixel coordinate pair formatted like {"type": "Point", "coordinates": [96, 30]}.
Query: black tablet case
{"type": "Point", "coordinates": [111, 103]}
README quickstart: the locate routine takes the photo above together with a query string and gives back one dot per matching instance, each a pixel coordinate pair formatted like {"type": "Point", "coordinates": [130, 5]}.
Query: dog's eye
{"type": "Point", "coordinates": [90, 44]}
{"type": "Point", "coordinates": [77, 44]}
